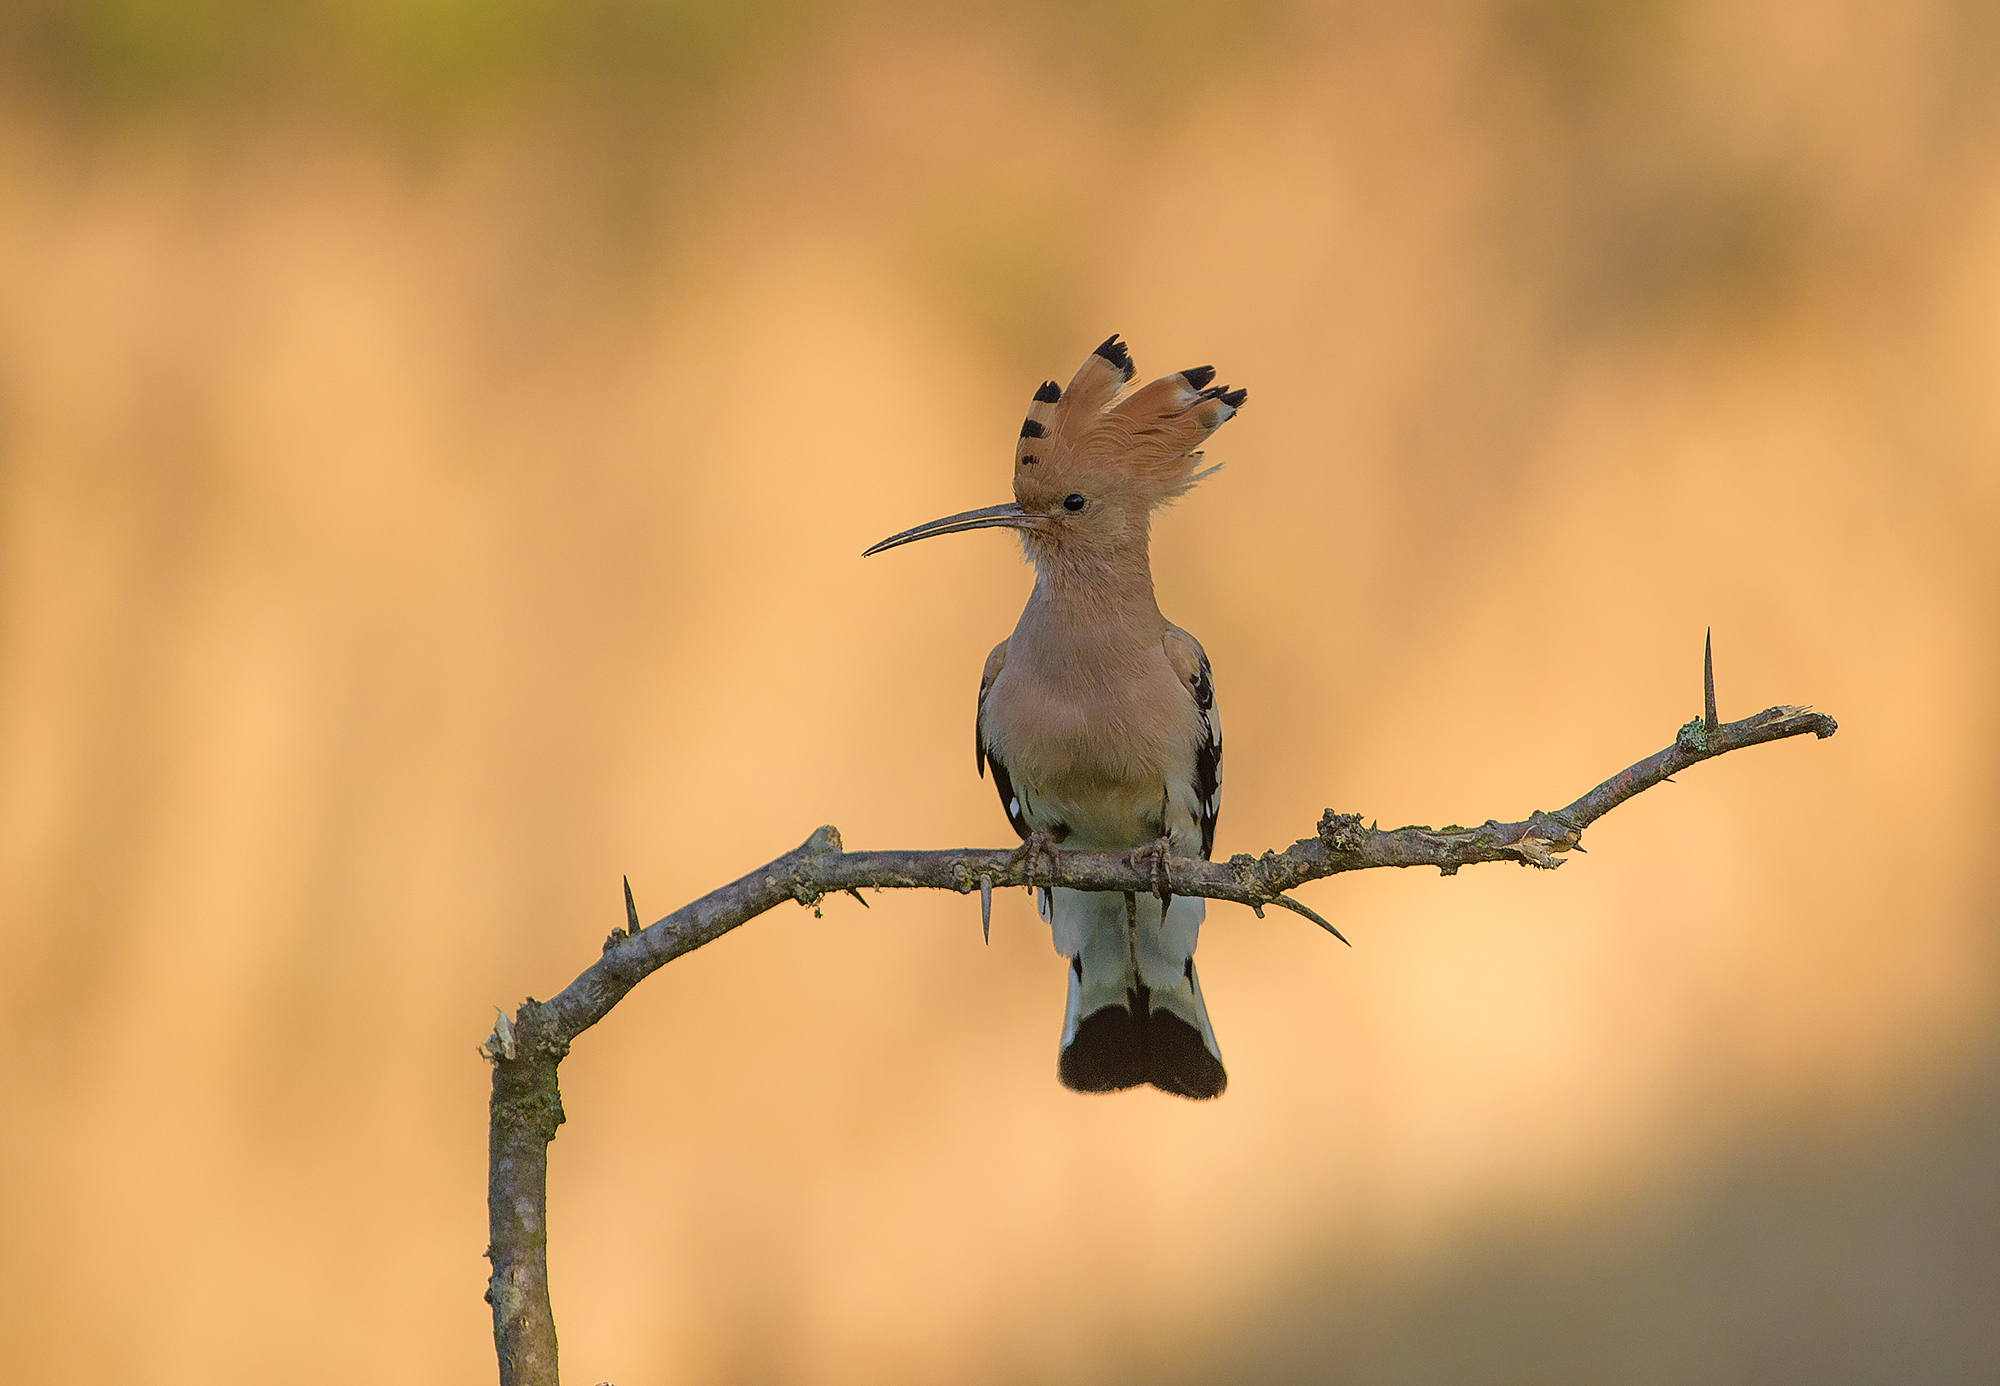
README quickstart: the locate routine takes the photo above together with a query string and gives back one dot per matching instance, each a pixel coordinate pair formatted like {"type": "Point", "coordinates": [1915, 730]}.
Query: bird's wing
{"type": "Point", "coordinates": [1002, 781]}
{"type": "Point", "coordinates": [1185, 654]}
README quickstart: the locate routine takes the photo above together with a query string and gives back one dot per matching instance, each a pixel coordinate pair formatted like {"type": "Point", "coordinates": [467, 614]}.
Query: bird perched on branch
{"type": "Point", "coordinates": [1098, 715]}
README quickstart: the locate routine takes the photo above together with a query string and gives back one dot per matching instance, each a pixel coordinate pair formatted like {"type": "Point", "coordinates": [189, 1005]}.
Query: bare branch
{"type": "Point", "coordinates": [527, 1106]}
{"type": "Point", "coordinates": [818, 867]}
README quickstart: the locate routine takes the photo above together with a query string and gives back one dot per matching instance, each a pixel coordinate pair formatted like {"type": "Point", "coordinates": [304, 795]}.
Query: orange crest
{"type": "Point", "coordinates": [1142, 448]}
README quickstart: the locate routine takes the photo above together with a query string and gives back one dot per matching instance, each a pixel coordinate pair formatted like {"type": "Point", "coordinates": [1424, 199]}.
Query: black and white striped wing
{"type": "Point", "coordinates": [1002, 781]}
{"type": "Point", "coordinates": [1190, 661]}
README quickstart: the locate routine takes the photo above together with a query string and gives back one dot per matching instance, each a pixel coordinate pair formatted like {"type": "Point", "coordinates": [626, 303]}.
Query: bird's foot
{"type": "Point", "coordinates": [1037, 850]}
{"type": "Point", "coordinates": [1151, 861]}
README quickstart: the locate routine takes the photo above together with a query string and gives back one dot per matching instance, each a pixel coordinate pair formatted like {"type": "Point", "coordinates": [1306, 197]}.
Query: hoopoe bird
{"type": "Point", "coordinates": [1098, 715]}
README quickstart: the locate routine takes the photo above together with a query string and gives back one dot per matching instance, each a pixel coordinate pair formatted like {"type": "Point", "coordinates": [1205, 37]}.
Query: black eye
{"type": "Point", "coordinates": [1072, 502]}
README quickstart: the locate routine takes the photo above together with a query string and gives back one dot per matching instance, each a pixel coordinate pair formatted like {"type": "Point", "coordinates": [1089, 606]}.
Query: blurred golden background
{"type": "Point", "coordinates": [436, 444]}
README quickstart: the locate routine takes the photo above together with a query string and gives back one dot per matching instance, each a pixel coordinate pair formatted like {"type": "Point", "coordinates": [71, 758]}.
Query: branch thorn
{"type": "Point", "coordinates": [986, 908]}
{"type": "Point", "coordinates": [857, 895]}
{"type": "Point", "coordinates": [631, 910]}
{"type": "Point", "coordinates": [1289, 903]}
{"type": "Point", "coordinates": [1709, 722]}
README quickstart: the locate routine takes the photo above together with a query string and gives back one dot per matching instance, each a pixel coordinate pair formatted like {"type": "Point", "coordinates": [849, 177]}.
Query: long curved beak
{"type": "Point", "coordinates": [1008, 516]}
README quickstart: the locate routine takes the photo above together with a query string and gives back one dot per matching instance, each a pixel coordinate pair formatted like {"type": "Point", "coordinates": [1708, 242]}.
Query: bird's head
{"type": "Point", "coordinates": [1090, 466]}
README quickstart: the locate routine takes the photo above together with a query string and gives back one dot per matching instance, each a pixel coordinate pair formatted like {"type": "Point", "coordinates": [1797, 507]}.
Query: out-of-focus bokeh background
{"type": "Point", "coordinates": [436, 443]}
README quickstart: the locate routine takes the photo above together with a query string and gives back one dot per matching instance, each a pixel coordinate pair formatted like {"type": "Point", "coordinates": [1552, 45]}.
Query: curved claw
{"type": "Point", "coordinates": [1033, 847]}
{"type": "Point", "coordinates": [1152, 860]}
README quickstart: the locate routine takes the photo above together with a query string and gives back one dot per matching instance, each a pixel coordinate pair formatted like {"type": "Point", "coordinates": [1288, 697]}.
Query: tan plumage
{"type": "Point", "coordinates": [1097, 716]}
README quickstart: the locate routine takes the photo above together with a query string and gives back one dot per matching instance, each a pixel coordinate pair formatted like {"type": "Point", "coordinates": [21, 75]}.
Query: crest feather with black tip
{"type": "Point", "coordinates": [1147, 441]}
{"type": "Point", "coordinates": [1097, 381]}
{"type": "Point", "coordinates": [1038, 429]}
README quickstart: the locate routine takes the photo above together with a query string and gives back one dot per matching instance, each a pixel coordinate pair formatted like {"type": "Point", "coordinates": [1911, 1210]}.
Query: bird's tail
{"type": "Point", "coordinates": [1135, 1012]}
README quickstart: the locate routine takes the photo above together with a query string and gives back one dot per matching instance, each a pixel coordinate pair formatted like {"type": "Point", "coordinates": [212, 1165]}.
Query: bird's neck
{"type": "Point", "coordinates": [1094, 602]}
